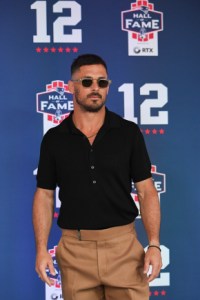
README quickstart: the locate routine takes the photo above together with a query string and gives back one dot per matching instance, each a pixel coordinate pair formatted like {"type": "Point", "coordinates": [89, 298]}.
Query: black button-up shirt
{"type": "Point", "coordinates": [95, 180]}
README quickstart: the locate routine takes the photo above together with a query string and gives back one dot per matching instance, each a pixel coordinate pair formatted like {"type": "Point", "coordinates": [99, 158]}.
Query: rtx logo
{"type": "Point", "coordinates": [147, 50]}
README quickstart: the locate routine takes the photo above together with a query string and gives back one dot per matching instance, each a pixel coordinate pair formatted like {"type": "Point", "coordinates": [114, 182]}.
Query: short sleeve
{"type": "Point", "coordinates": [46, 175]}
{"type": "Point", "coordinates": [140, 161]}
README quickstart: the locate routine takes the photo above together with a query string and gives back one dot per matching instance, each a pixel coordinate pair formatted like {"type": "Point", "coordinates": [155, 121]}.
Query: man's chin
{"type": "Point", "coordinates": [93, 109]}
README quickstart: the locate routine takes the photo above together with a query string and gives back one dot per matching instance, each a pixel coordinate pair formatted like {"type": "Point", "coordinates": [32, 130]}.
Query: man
{"type": "Point", "coordinates": [93, 156]}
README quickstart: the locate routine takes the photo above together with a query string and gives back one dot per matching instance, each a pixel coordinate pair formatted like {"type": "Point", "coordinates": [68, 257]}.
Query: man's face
{"type": "Point", "coordinates": [92, 98]}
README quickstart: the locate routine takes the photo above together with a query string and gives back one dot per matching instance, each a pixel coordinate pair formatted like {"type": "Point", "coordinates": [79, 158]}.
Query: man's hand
{"type": "Point", "coordinates": [44, 261]}
{"type": "Point", "coordinates": [153, 259]}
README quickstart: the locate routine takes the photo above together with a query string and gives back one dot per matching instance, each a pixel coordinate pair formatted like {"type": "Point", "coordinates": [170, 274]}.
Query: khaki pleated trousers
{"type": "Point", "coordinates": [102, 264]}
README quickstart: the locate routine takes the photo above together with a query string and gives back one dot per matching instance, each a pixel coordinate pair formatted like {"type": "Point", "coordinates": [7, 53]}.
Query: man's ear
{"type": "Point", "coordinates": [71, 86]}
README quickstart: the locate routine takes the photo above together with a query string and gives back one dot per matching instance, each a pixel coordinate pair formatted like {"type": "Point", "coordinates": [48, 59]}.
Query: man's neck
{"type": "Point", "coordinates": [89, 122]}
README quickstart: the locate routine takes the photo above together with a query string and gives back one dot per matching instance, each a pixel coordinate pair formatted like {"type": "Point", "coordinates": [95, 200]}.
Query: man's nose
{"type": "Point", "coordinates": [95, 85]}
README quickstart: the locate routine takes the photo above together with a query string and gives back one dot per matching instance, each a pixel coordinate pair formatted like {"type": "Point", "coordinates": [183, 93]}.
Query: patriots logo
{"type": "Point", "coordinates": [60, 91]}
{"type": "Point", "coordinates": [144, 9]}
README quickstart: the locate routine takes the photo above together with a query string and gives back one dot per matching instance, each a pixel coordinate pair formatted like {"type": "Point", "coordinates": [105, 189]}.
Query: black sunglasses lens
{"type": "Point", "coordinates": [87, 82]}
{"type": "Point", "coordinates": [103, 83]}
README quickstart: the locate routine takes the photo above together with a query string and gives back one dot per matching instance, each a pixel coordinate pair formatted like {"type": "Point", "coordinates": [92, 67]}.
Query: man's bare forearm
{"type": "Point", "coordinates": [42, 222]}
{"type": "Point", "coordinates": [150, 211]}
{"type": "Point", "coordinates": [42, 216]}
{"type": "Point", "coordinates": [151, 219]}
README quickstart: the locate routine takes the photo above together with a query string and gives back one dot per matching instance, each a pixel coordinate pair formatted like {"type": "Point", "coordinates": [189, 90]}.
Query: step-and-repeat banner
{"type": "Point", "coordinates": [151, 49]}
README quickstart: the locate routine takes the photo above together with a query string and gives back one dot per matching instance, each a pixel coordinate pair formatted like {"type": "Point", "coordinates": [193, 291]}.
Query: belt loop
{"type": "Point", "coordinates": [79, 234]}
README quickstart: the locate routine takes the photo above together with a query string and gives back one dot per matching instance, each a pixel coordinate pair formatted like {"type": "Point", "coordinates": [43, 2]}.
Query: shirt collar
{"type": "Point", "coordinates": [112, 120]}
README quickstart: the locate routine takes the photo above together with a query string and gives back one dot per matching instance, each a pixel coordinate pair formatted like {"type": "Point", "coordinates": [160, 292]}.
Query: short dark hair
{"type": "Point", "coordinates": [87, 59]}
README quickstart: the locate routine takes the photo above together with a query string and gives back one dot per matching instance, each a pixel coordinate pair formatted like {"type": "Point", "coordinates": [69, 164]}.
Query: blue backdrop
{"type": "Point", "coordinates": [144, 86]}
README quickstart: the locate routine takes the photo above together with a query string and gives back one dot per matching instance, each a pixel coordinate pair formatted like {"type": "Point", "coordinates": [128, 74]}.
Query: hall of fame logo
{"type": "Point", "coordinates": [55, 103]}
{"type": "Point", "coordinates": [55, 291]}
{"type": "Point", "coordinates": [142, 23]}
{"type": "Point", "coordinates": [159, 180]}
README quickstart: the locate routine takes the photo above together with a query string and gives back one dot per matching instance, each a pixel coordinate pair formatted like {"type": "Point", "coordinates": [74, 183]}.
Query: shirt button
{"type": "Point", "coordinates": [92, 167]}
{"type": "Point", "coordinates": [94, 182]}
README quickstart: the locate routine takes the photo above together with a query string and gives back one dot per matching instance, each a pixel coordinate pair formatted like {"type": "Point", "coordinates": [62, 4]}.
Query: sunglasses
{"type": "Point", "coordinates": [87, 82]}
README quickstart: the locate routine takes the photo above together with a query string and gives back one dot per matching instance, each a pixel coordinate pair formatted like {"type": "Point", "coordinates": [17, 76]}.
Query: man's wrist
{"type": "Point", "coordinates": [41, 248]}
{"type": "Point", "coordinates": [154, 246]}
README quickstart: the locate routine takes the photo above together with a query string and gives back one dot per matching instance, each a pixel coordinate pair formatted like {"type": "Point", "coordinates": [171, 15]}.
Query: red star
{"type": "Point", "coordinates": [147, 131]}
{"type": "Point", "coordinates": [75, 50]}
{"type": "Point", "coordinates": [60, 49]}
{"type": "Point", "coordinates": [163, 293]}
{"type": "Point", "coordinates": [55, 215]}
{"type": "Point", "coordinates": [53, 50]}
{"type": "Point", "coordinates": [38, 49]}
{"type": "Point", "coordinates": [154, 131]}
{"type": "Point", "coordinates": [67, 50]}
{"type": "Point", "coordinates": [46, 49]}
{"type": "Point", "coordinates": [156, 293]}
{"type": "Point", "coordinates": [161, 131]}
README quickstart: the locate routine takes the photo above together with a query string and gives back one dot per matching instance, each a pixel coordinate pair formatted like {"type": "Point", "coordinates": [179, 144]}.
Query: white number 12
{"type": "Point", "coordinates": [59, 24]}
{"type": "Point", "coordinates": [147, 105]}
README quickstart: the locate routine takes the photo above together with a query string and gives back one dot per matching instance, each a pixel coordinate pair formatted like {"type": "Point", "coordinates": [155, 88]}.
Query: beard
{"type": "Point", "coordinates": [94, 106]}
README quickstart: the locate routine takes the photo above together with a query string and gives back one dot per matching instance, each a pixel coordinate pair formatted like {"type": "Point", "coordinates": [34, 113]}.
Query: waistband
{"type": "Point", "coordinates": [99, 235]}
